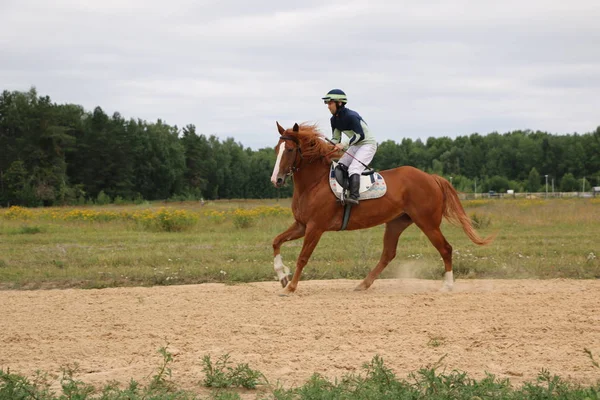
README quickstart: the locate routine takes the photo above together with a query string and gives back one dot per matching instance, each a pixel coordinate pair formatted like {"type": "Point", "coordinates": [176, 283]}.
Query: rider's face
{"type": "Point", "coordinates": [332, 107]}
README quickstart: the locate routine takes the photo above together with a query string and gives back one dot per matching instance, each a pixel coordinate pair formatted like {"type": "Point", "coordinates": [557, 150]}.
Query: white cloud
{"type": "Point", "coordinates": [232, 68]}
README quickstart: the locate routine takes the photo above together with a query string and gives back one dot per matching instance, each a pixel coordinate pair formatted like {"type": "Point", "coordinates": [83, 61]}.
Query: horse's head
{"type": "Point", "coordinates": [288, 154]}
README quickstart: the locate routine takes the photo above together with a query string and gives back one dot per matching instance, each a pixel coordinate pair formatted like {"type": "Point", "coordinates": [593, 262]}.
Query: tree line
{"type": "Point", "coordinates": [55, 154]}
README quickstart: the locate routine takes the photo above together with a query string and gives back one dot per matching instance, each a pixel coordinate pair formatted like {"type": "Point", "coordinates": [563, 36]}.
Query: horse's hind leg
{"type": "Point", "coordinates": [295, 231]}
{"type": "Point", "coordinates": [438, 240]}
{"type": "Point", "coordinates": [393, 230]}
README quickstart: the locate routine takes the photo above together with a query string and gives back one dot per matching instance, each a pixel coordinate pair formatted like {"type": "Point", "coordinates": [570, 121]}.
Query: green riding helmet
{"type": "Point", "coordinates": [335, 95]}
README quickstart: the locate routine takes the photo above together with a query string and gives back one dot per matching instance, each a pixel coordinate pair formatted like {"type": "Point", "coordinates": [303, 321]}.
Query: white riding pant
{"type": "Point", "coordinates": [364, 153]}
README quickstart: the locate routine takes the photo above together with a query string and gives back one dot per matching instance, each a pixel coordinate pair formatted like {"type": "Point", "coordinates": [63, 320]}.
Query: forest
{"type": "Point", "coordinates": [61, 154]}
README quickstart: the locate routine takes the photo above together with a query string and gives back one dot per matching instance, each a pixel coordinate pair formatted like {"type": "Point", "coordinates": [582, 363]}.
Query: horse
{"type": "Point", "coordinates": [412, 196]}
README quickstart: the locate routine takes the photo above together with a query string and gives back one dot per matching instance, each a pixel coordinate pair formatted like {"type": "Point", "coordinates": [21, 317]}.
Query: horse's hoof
{"type": "Point", "coordinates": [361, 287]}
{"type": "Point", "coordinates": [446, 289]}
{"type": "Point", "coordinates": [284, 281]}
{"type": "Point", "coordinates": [289, 289]}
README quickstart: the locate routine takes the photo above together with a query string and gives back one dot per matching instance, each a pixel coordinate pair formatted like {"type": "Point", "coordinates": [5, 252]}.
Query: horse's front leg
{"type": "Point", "coordinates": [311, 239]}
{"type": "Point", "coordinates": [295, 231]}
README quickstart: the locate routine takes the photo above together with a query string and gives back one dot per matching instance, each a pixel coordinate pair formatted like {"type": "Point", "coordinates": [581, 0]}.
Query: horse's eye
{"type": "Point", "coordinates": [289, 150]}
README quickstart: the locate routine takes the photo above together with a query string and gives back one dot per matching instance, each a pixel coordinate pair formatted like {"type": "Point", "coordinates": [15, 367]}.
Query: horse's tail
{"type": "Point", "coordinates": [454, 212]}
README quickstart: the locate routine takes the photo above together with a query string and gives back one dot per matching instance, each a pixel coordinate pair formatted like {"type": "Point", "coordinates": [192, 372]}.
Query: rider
{"type": "Point", "coordinates": [362, 144]}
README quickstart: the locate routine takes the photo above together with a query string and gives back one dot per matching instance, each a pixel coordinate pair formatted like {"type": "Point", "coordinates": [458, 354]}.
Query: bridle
{"type": "Point", "coordinates": [293, 167]}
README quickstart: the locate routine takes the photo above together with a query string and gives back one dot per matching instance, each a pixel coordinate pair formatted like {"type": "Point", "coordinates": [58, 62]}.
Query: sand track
{"type": "Point", "coordinates": [509, 328]}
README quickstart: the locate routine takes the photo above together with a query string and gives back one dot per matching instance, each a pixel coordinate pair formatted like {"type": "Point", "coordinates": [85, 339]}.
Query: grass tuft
{"type": "Point", "coordinates": [222, 375]}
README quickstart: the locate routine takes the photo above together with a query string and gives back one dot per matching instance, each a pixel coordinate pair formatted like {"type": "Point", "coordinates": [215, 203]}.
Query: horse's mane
{"type": "Point", "coordinates": [312, 141]}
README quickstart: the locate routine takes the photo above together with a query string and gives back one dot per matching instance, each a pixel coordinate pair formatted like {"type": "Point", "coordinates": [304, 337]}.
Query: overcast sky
{"type": "Point", "coordinates": [411, 69]}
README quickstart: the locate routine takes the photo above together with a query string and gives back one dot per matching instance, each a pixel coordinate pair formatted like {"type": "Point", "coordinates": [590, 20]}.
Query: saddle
{"type": "Point", "coordinates": [372, 186]}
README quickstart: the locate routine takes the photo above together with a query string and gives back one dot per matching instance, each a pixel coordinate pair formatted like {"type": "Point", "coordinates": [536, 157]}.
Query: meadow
{"type": "Point", "coordinates": [230, 241]}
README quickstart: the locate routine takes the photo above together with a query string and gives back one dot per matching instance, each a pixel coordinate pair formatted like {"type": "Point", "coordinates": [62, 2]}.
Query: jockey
{"type": "Point", "coordinates": [362, 144]}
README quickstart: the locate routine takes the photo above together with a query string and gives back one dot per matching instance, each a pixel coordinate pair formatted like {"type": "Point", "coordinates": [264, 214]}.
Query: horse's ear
{"type": "Point", "coordinates": [280, 128]}
{"type": "Point", "coordinates": [296, 128]}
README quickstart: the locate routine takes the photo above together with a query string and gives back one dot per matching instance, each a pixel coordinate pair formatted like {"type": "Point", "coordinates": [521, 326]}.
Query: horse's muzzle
{"type": "Point", "coordinates": [278, 182]}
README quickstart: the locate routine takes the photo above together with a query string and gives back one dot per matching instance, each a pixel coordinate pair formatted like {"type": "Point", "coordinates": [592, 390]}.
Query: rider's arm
{"type": "Point", "coordinates": [337, 134]}
{"type": "Point", "coordinates": [359, 134]}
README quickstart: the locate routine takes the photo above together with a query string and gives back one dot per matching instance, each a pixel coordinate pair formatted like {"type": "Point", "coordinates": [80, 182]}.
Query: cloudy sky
{"type": "Point", "coordinates": [411, 69]}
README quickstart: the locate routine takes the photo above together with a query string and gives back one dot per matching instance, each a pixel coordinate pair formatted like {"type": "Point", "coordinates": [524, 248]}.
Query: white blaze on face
{"type": "Point", "coordinates": [276, 169]}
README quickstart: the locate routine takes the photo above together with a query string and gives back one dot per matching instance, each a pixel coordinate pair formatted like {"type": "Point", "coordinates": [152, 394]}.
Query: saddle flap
{"type": "Point", "coordinates": [341, 176]}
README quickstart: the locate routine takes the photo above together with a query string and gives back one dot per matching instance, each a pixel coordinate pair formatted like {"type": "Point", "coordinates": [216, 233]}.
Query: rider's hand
{"type": "Point", "coordinates": [339, 146]}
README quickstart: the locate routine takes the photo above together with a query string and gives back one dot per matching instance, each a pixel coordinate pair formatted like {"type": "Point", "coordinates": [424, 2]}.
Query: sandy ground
{"type": "Point", "coordinates": [509, 328]}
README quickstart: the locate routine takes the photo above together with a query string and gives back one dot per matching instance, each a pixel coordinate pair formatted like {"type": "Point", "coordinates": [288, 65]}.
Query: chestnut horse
{"type": "Point", "coordinates": [412, 196]}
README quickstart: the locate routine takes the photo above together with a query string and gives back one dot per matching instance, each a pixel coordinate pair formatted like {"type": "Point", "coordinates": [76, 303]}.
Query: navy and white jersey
{"type": "Point", "coordinates": [352, 125]}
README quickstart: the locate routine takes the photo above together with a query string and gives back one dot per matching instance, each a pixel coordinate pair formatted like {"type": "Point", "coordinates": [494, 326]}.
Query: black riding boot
{"type": "Point", "coordinates": [354, 185]}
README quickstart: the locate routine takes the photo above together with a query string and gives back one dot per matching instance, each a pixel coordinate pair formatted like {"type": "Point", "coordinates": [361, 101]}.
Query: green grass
{"type": "Point", "coordinates": [536, 239]}
{"type": "Point", "coordinates": [27, 230]}
{"type": "Point", "coordinates": [221, 374]}
{"type": "Point", "coordinates": [377, 381]}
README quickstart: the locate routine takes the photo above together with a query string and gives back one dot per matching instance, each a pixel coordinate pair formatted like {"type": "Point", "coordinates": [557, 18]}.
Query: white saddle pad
{"type": "Point", "coordinates": [371, 186]}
